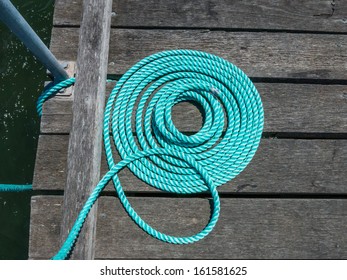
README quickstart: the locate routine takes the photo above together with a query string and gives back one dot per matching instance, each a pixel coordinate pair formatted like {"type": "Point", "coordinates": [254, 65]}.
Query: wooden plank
{"type": "Point", "coordinates": [279, 166]}
{"type": "Point", "coordinates": [45, 226]}
{"type": "Point", "coordinates": [287, 108]}
{"type": "Point", "coordinates": [309, 15]}
{"type": "Point", "coordinates": [57, 115]}
{"type": "Point", "coordinates": [247, 228]}
{"type": "Point", "coordinates": [84, 152]}
{"type": "Point", "coordinates": [259, 54]}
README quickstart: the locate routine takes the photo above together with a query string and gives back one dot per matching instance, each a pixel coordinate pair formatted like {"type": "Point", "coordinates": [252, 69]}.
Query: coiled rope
{"type": "Point", "coordinates": [160, 154]}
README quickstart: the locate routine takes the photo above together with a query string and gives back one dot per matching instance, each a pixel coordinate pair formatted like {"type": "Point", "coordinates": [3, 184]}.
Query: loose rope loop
{"type": "Point", "coordinates": [159, 154]}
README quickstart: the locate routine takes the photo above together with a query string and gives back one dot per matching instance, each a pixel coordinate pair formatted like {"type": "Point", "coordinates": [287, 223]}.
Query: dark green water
{"type": "Point", "coordinates": [21, 82]}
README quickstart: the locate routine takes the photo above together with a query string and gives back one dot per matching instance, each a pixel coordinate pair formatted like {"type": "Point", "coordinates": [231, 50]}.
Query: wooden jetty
{"type": "Point", "coordinates": [289, 203]}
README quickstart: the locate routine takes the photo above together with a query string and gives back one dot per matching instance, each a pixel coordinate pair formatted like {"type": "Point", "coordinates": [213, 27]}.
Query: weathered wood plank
{"type": "Point", "coordinates": [45, 226]}
{"type": "Point", "coordinates": [309, 15]}
{"type": "Point", "coordinates": [281, 55]}
{"type": "Point", "coordinates": [84, 152]}
{"type": "Point", "coordinates": [247, 228]}
{"type": "Point", "coordinates": [287, 108]}
{"type": "Point", "coordinates": [279, 166]}
{"type": "Point", "coordinates": [57, 115]}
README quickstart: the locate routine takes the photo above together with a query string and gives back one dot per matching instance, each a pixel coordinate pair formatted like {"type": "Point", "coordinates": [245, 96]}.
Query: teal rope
{"type": "Point", "coordinates": [162, 156]}
{"type": "Point", "coordinates": [15, 188]}
{"type": "Point", "coordinates": [51, 92]}
{"type": "Point", "coordinates": [72, 237]}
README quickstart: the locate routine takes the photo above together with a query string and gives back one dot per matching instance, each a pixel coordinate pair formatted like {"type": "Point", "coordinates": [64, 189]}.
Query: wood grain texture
{"type": "Point", "coordinates": [84, 151]}
{"type": "Point", "coordinates": [247, 228]}
{"type": "Point", "coordinates": [308, 15]}
{"type": "Point", "coordinates": [45, 226]}
{"type": "Point", "coordinates": [313, 51]}
{"type": "Point", "coordinates": [281, 55]}
{"type": "Point", "coordinates": [279, 166]}
{"type": "Point", "coordinates": [57, 115]}
{"type": "Point", "coordinates": [287, 108]}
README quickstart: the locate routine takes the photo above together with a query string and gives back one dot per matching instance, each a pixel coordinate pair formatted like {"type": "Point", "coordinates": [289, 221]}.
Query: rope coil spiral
{"type": "Point", "coordinates": [159, 154]}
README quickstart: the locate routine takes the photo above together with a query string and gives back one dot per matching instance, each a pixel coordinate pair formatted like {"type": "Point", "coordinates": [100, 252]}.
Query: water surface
{"type": "Point", "coordinates": [21, 82]}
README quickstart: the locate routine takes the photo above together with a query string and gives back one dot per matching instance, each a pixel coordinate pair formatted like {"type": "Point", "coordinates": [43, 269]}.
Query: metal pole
{"type": "Point", "coordinates": [17, 24]}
